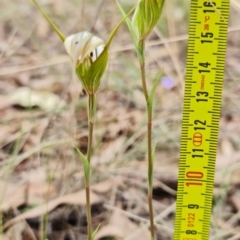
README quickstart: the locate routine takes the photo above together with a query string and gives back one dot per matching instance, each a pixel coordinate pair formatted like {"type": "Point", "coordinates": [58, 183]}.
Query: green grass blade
{"type": "Point", "coordinates": [153, 90]}
{"type": "Point", "coordinates": [62, 37]}
{"type": "Point", "coordinates": [129, 23]}
{"type": "Point", "coordinates": [112, 34]}
{"type": "Point", "coordinates": [86, 165]}
{"type": "Point", "coordinates": [150, 171]}
{"type": "Point", "coordinates": [93, 235]}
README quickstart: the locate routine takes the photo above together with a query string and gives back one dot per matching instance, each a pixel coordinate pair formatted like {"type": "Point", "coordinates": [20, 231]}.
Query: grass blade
{"type": "Point", "coordinates": [86, 165]}
{"type": "Point", "coordinates": [153, 90]}
{"type": "Point", "coordinates": [59, 33]}
{"type": "Point", "coordinates": [93, 235]}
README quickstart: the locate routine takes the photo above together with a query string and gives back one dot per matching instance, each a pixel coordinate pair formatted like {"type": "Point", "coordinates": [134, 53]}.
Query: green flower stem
{"type": "Point", "coordinates": [141, 48]}
{"type": "Point", "coordinates": [150, 172]}
{"type": "Point", "coordinates": [91, 116]}
{"type": "Point", "coordinates": [143, 76]}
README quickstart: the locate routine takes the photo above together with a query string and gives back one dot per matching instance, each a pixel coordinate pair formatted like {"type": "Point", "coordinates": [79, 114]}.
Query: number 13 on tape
{"type": "Point", "coordinates": [201, 114]}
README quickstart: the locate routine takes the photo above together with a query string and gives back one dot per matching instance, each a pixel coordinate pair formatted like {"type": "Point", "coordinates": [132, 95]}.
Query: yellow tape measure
{"type": "Point", "coordinates": [201, 114]}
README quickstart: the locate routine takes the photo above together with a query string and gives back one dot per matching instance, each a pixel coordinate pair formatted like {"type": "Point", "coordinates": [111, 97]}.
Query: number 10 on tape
{"type": "Point", "coordinates": [201, 114]}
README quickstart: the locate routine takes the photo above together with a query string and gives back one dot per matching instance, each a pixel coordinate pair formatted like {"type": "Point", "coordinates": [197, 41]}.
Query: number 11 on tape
{"type": "Point", "coordinates": [201, 114]}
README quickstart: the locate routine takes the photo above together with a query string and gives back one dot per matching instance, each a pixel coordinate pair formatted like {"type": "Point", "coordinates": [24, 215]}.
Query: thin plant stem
{"type": "Point", "coordinates": [149, 136]}
{"type": "Point", "coordinates": [88, 210]}
{"type": "Point", "coordinates": [142, 68]}
{"type": "Point", "coordinates": [150, 172]}
{"type": "Point", "coordinates": [91, 115]}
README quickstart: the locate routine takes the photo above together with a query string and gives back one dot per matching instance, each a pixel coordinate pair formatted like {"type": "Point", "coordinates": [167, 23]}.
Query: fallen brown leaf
{"type": "Point", "coordinates": [102, 187]}
{"type": "Point", "coordinates": [28, 193]}
{"type": "Point", "coordinates": [19, 231]}
{"type": "Point", "coordinates": [235, 199]}
{"type": "Point", "coordinates": [13, 199]}
{"type": "Point", "coordinates": [120, 227]}
{"type": "Point", "coordinates": [33, 190]}
{"type": "Point", "coordinates": [109, 152]}
{"type": "Point", "coordinates": [77, 198]}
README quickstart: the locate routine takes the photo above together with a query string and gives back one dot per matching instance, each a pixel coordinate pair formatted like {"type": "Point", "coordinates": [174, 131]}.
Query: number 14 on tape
{"type": "Point", "coordinates": [201, 114]}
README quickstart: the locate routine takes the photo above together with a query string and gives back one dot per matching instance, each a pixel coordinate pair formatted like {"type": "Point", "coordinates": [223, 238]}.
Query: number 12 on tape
{"type": "Point", "coordinates": [201, 114]}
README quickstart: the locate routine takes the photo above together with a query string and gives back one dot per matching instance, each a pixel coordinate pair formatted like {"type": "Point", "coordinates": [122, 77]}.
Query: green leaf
{"type": "Point", "coordinates": [127, 19]}
{"type": "Point", "coordinates": [91, 76]}
{"type": "Point", "coordinates": [82, 76]}
{"type": "Point", "coordinates": [150, 171]}
{"type": "Point", "coordinates": [62, 37]}
{"type": "Point", "coordinates": [153, 90]}
{"type": "Point", "coordinates": [129, 24]}
{"type": "Point", "coordinates": [153, 152]}
{"type": "Point", "coordinates": [95, 232]}
{"type": "Point", "coordinates": [112, 34]}
{"type": "Point", "coordinates": [98, 68]}
{"type": "Point", "coordinates": [86, 166]}
{"type": "Point", "coordinates": [130, 28]}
